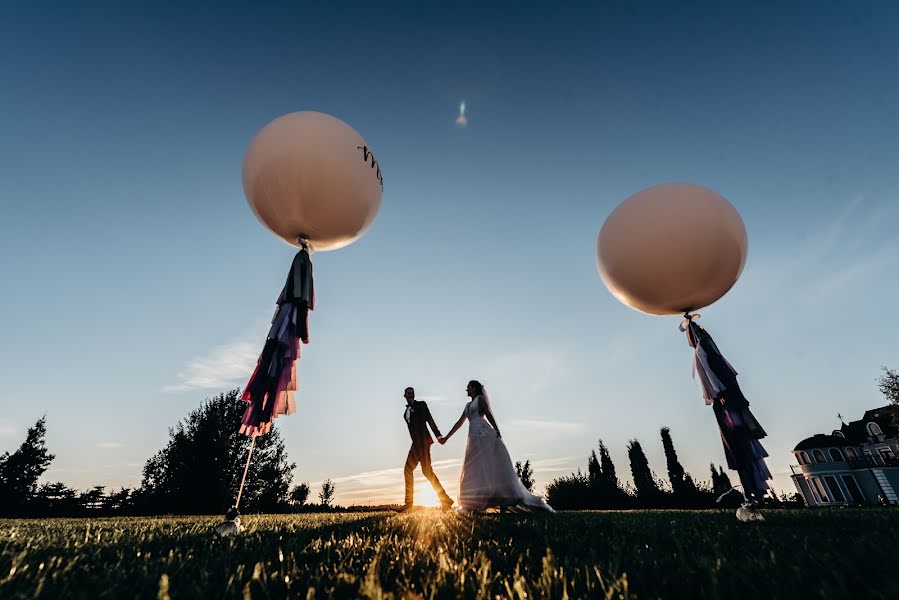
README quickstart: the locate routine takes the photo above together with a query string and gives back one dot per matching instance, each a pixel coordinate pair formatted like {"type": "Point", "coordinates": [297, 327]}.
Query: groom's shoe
{"type": "Point", "coordinates": [446, 505]}
{"type": "Point", "coordinates": [405, 508]}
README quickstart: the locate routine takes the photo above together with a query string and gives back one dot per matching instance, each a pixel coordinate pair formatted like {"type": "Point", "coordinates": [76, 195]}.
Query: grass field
{"type": "Point", "coordinates": [639, 554]}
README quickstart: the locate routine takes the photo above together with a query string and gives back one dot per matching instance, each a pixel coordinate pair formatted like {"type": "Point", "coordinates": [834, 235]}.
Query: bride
{"type": "Point", "coordinates": [488, 477]}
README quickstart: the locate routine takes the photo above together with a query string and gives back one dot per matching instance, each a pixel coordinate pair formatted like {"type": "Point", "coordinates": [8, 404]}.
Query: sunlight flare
{"type": "Point", "coordinates": [425, 494]}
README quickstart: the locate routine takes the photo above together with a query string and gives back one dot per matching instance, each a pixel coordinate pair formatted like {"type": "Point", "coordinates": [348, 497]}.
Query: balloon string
{"type": "Point", "coordinates": [245, 469]}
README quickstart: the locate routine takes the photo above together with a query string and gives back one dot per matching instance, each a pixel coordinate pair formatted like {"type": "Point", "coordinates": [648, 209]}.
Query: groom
{"type": "Point", "coordinates": [418, 417]}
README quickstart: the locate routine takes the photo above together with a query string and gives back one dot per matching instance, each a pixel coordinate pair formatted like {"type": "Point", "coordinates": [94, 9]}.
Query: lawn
{"type": "Point", "coordinates": [628, 554]}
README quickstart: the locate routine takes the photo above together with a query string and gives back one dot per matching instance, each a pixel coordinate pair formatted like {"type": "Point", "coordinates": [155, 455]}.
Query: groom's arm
{"type": "Point", "coordinates": [431, 421]}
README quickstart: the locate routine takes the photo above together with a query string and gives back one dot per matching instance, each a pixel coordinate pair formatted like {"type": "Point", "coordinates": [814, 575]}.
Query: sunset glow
{"type": "Point", "coordinates": [424, 493]}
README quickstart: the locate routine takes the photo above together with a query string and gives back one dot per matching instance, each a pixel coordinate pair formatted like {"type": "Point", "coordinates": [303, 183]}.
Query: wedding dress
{"type": "Point", "coordinates": [488, 476]}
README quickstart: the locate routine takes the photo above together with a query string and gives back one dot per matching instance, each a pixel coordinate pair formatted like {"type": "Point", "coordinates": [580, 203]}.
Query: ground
{"type": "Point", "coordinates": [426, 553]}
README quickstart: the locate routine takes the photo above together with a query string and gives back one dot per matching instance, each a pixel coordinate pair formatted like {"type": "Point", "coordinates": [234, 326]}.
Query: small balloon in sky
{"type": "Point", "coordinates": [462, 120]}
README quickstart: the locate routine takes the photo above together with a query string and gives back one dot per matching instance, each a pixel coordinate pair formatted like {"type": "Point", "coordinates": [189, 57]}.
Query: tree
{"type": "Point", "coordinates": [93, 500]}
{"type": "Point", "coordinates": [199, 470]}
{"type": "Point", "coordinates": [682, 486]}
{"type": "Point", "coordinates": [58, 500]}
{"type": "Point", "coordinates": [570, 492]}
{"type": "Point", "coordinates": [721, 483]}
{"type": "Point", "coordinates": [889, 385]}
{"type": "Point", "coordinates": [607, 468]}
{"type": "Point", "coordinates": [594, 472]}
{"type": "Point", "coordinates": [598, 489]}
{"type": "Point", "coordinates": [299, 494]}
{"type": "Point", "coordinates": [675, 469]}
{"type": "Point", "coordinates": [605, 489]}
{"type": "Point", "coordinates": [648, 490]}
{"type": "Point", "coordinates": [525, 474]}
{"type": "Point", "coordinates": [120, 502]}
{"type": "Point", "coordinates": [326, 496]}
{"type": "Point", "coordinates": [20, 470]}
{"type": "Point", "coordinates": [55, 500]}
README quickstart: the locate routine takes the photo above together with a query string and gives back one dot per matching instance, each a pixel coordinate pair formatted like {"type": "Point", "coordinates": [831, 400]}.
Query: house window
{"type": "Point", "coordinates": [813, 491]}
{"type": "Point", "coordinates": [819, 487]}
{"type": "Point", "coordinates": [874, 429]}
{"type": "Point", "coordinates": [819, 456]}
{"type": "Point", "coordinates": [804, 459]}
{"type": "Point", "coordinates": [838, 433]}
{"type": "Point", "coordinates": [836, 455]}
{"type": "Point", "coordinates": [835, 492]}
{"type": "Point", "coordinates": [886, 454]}
{"type": "Point", "coordinates": [852, 490]}
{"type": "Point", "coordinates": [850, 453]}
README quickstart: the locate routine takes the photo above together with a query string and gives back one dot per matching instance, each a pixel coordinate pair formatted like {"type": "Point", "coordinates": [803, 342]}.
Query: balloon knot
{"type": "Point", "coordinates": [688, 318]}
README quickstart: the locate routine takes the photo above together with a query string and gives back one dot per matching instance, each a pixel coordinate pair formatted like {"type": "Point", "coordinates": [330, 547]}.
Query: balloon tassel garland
{"type": "Point", "coordinates": [739, 429]}
{"type": "Point", "coordinates": [315, 183]}
{"type": "Point", "coordinates": [270, 391]}
{"type": "Point", "coordinates": [672, 249]}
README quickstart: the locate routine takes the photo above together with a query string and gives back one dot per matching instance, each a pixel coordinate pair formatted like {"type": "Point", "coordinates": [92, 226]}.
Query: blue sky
{"type": "Point", "coordinates": [137, 282]}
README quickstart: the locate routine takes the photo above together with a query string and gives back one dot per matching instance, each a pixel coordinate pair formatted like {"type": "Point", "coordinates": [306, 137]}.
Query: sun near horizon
{"type": "Point", "coordinates": [425, 494]}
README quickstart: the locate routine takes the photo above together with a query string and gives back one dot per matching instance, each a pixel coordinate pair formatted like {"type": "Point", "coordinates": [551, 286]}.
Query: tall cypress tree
{"type": "Point", "coordinates": [682, 485]}
{"type": "Point", "coordinates": [609, 478]}
{"type": "Point", "coordinates": [647, 488]}
{"type": "Point", "coordinates": [594, 472]}
{"type": "Point", "coordinates": [675, 470]}
{"type": "Point", "coordinates": [607, 489]}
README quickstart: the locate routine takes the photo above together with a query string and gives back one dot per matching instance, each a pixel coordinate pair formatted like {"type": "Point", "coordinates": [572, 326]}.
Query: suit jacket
{"type": "Point", "coordinates": [419, 420]}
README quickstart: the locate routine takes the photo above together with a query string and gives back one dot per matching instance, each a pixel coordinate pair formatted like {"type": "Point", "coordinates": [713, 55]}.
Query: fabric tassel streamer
{"type": "Point", "coordinates": [270, 391]}
{"type": "Point", "coordinates": [740, 431]}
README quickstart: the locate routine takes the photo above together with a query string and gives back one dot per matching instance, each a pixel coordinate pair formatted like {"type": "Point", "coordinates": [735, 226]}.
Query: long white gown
{"type": "Point", "coordinates": [488, 476]}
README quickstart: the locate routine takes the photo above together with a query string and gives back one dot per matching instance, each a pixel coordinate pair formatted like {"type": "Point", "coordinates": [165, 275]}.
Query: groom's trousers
{"type": "Point", "coordinates": [424, 457]}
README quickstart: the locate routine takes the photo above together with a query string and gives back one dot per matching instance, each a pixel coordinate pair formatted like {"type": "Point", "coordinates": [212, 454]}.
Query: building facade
{"type": "Point", "coordinates": [855, 465]}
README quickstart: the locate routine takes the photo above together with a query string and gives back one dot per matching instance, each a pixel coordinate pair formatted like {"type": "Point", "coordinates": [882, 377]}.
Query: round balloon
{"type": "Point", "coordinates": [310, 175]}
{"type": "Point", "coordinates": [671, 248]}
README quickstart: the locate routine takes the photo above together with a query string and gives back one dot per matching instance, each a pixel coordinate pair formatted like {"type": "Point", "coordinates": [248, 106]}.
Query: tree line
{"type": "Point", "coordinates": [197, 472]}
{"type": "Point", "coordinates": [600, 488]}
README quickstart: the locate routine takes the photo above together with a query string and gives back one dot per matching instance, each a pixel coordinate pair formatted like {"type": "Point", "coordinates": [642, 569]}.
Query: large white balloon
{"type": "Point", "coordinates": [310, 175]}
{"type": "Point", "coordinates": [671, 248]}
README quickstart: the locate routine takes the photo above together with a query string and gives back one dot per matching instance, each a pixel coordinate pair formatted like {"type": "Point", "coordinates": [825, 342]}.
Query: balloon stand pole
{"type": "Point", "coordinates": [245, 469]}
{"type": "Point", "coordinates": [735, 488]}
{"type": "Point", "coordinates": [231, 525]}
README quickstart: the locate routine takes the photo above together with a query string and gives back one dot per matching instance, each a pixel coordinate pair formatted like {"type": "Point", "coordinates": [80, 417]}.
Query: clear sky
{"type": "Point", "coordinates": [136, 281]}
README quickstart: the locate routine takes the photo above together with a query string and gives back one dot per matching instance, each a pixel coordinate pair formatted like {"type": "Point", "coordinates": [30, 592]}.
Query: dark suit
{"type": "Point", "coordinates": [420, 452]}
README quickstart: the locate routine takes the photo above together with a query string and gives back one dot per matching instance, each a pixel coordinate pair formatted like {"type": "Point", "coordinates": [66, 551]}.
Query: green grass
{"type": "Point", "coordinates": [639, 554]}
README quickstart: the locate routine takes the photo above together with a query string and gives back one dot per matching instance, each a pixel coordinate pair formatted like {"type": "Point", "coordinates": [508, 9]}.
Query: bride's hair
{"type": "Point", "coordinates": [477, 387]}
